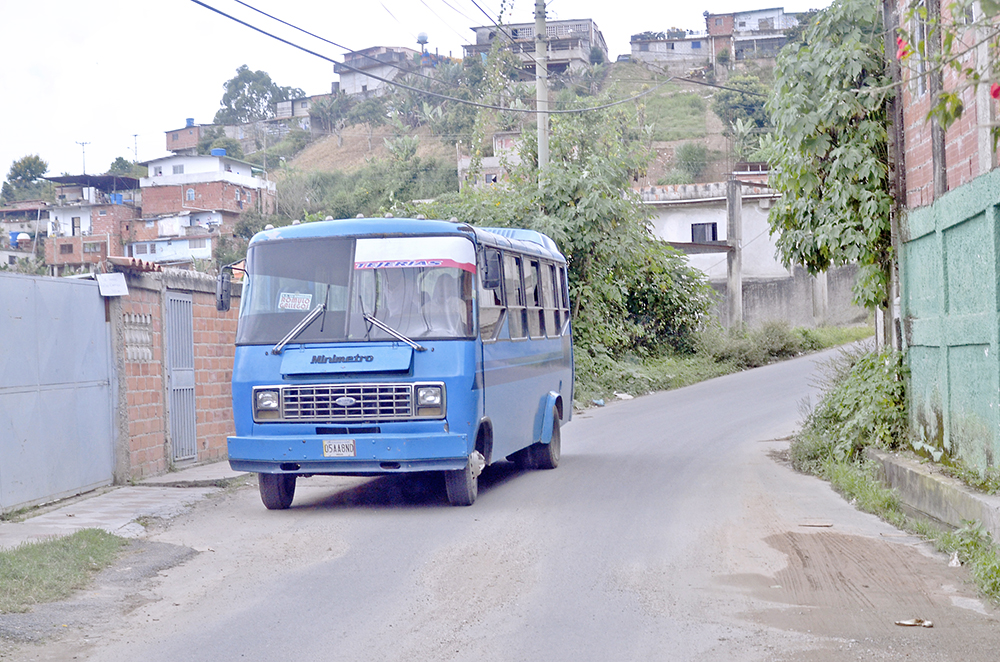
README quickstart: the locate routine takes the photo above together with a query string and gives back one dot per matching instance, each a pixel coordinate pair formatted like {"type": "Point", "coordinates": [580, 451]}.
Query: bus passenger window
{"type": "Point", "coordinates": [490, 299]}
{"type": "Point", "coordinates": [551, 313]}
{"type": "Point", "coordinates": [562, 294]}
{"type": "Point", "coordinates": [514, 292]}
{"type": "Point", "coordinates": [532, 286]}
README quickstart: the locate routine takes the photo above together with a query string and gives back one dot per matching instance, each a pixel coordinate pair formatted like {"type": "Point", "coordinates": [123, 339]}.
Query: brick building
{"type": "Point", "coordinates": [189, 201]}
{"type": "Point", "coordinates": [88, 219]}
{"type": "Point", "coordinates": [747, 35]}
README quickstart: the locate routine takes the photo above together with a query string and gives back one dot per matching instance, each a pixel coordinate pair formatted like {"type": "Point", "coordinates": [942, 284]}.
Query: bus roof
{"type": "Point", "coordinates": [526, 241]}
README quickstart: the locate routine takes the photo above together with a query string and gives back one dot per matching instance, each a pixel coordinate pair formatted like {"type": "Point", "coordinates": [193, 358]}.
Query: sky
{"type": "Point", "coordinates": [117, 74]}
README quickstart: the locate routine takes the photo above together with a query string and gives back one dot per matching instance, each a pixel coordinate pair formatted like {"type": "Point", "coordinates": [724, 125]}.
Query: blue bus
{"type": "Point", "coordinates": [375, 346]}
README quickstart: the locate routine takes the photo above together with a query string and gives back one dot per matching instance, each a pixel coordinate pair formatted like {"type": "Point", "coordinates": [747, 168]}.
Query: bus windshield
{"type": "Point", "coordinates": [421, 287]}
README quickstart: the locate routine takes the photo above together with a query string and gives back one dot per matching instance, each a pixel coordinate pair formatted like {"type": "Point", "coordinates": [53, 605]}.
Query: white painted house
{"type": "Point", "coordinates": [701, 221]}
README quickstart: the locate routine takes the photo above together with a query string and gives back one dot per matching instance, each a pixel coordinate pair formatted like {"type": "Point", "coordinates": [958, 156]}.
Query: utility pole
{"type": "Point", "coordinates": [541, 85]}
{"type": "Point", "coordinates": [84, 146]}
{"type": "Point", "coordinates": [135, 148]}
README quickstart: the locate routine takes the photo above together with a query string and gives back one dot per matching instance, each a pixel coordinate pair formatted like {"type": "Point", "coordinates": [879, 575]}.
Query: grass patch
{"type": "Point", "coordinates": [35, 573]}
{"type": "Point", "coordinates": [599, 376]}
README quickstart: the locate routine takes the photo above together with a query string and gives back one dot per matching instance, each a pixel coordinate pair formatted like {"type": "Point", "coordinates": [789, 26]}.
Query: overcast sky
{"type": "Point", "coordinates": [118, 74]}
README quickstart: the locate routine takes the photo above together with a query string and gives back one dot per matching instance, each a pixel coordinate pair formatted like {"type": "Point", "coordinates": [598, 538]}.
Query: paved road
{"type": "Point", "coordinates": [672, 530]}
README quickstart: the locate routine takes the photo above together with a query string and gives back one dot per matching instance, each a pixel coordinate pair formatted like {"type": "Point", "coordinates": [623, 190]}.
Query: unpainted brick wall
{"type": "Point", "coordinates": [148, 451]}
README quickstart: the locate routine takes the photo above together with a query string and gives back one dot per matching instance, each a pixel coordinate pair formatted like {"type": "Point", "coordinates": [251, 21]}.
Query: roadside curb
{"type": "Point", "coordinates": [935, 495]}
{"type": "Point", "coordinates": [209, 474]}
{"type": "Point", "coordinates": [224, 481]}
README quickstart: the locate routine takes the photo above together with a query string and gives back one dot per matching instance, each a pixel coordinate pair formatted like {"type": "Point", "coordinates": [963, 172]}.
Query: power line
{"type": "Point", "coordinates": [417, 89]}
{"type": "Point", "coordinates": [333, 43]}
{"type": "Point", "coordinates": [500, 28]}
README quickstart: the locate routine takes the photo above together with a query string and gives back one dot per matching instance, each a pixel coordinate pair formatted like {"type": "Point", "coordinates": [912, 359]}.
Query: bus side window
{"type": "Point", "coordinates": [490, 299]}
{"type": "Point", "coordinates": [514, 291]}
{"type": "Point", "coordinates": [551, 312]}
{"type": "Point", "coordinates": [532, 287]}
{"type": "Point", "coordinates": [563, 294]}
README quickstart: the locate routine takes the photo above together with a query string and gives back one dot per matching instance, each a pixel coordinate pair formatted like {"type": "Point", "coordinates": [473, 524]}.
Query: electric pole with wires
{"type": "Point", "coordinates": [541, 85]}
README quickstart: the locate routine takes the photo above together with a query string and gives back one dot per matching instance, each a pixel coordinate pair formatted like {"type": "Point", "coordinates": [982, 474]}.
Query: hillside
{"type": "Point", "coordinates": [324, 154]}
{"type": "Point", "coordinates": [678, 112]}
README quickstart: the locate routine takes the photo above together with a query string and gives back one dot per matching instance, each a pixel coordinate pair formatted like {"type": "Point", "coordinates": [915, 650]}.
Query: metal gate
{"type": "Point", "coordinates": [56, 387]}
{"type": "Point", "coordinates": [180, 375]}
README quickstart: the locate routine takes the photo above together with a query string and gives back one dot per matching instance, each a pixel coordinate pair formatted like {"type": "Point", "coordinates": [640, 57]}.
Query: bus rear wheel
{"type": "Point", "coordinates": [546, 456]}
{"type": "Point", "coordinates": [276, 490]}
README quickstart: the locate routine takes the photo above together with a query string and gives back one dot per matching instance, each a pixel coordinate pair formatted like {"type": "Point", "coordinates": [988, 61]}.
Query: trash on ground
{"type": "Point", "coordinates": [599, 403]}
{"type": "Point", "coordinates": [623, 396]}
{"type": "Point", "coordinates": [916, 622]}
{"type": "Point", "coordinates": [955, 562]}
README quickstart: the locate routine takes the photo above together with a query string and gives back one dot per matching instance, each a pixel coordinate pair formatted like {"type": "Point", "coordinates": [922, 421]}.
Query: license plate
{"type": "Point", "coordinates": [339, 448]}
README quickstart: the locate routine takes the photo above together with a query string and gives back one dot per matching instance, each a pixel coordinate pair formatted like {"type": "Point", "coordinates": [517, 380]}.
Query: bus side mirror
{"type": "Point", "coordinates": [223, 292]}
{"type": "Point", "coordinates": [491, 270]}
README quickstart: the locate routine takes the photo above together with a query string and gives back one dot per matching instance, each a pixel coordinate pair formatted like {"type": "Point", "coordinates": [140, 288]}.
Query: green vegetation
{"type": "Point", "coordinates": [829, 149]}
{"type": "Point", "coordinates": [251, 96]}
{"type": "Point", "coordinates": [41, 572]}
{"type": "Point", "coordinates": [716, 353]}
{"type": "Point", "coordinates": [24, 181]}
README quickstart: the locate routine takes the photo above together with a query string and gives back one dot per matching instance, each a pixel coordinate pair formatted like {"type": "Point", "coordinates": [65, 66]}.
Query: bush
{"type": "Point", "coordinates": [667, 301]}
{"type": "Point", "coordinates": [675, 177]}
{"type": "Point", "coordinates": [692, 158]}
{"type": "Point", "coordinates": [863, 405]}
{"type": "Point", "coordinates": [751, 349]}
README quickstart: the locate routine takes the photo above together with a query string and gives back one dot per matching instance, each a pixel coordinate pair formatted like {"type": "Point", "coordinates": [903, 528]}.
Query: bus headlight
{"type": "Point", "coordinates": [267, 404]}
{"type": "Point", "coordinates": [430, 401]}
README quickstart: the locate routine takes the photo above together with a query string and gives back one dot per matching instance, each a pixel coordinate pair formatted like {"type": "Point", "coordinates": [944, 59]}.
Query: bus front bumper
{"type": "Point", "coordinates": [373, 454]}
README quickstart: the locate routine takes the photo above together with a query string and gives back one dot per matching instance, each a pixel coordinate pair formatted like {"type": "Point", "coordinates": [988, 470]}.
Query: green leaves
{"type": "Point", "coordinates": [829, 149]}
{"type": "Point", "coordinates": [251, 96]}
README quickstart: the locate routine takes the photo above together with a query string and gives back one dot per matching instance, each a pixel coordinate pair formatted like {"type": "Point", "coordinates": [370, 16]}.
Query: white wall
{"type": "Point", "coordinates": [672, 222]}
{"type": "Point", "coordinates": [61, 220]}
{"type": "Point", "coordinates": [197, 169]}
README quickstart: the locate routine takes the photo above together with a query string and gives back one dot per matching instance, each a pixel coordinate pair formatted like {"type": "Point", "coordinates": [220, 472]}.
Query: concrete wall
{"type": "Point", "coordinates": [799, 299]}
{"type": "Point", "coordinates": [949, 305]}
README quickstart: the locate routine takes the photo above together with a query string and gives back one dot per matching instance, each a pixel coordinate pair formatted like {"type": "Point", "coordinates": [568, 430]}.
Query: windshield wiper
{"type": "Point", "coordinates": [392, 332]}
{"type": "Point", "coordinates": [313, 314]}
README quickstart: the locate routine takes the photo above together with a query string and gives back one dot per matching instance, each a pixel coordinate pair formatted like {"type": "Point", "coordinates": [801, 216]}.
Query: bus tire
{"type": "Point", "coordinates": [462, 486]}
{"type": "Point", "coordinates": [276, 490]}
{"type": "Point", "coordinates": [546, 456]}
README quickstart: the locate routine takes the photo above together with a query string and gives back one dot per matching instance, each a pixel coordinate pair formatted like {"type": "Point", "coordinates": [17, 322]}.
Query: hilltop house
{"type": "Point", "coordinates": [190, 201]}
{"type": "Point", "coordinates": [570, 43]}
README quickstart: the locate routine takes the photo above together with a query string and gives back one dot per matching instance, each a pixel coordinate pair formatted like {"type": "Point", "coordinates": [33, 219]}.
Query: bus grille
{"type": "Point", "coordinates": [372, 402]}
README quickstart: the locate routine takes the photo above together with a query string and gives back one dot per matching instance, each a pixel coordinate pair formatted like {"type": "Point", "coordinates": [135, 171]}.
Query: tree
{"type": "Point", "coordinates": [743, 99]}
{"type": "Point", "coordinates": [234, 149]}
{"type": "Point", "coordinates": [585, 203]}
{"type": "Point", "coordinates": [251, 96]}
{"type": "Point", "coordinates": [125, 168]}
{"type": "Point", "coordinates": [371, 113]}
{"type": "Point", "coordinates": [332, 113]}
{"type": "Point", "coordinates": [596, 56]}
{"type": "Point", "coordinates": [24, 180]}
{"type": "Point", "coordinates": [829, 149]}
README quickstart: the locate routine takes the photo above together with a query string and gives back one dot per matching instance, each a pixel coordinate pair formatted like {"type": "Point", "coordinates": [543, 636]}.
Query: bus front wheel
{"type": "Point", "coordinates": [462, 485]}
{"type": "Point", "coordinates": [276, 490]}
